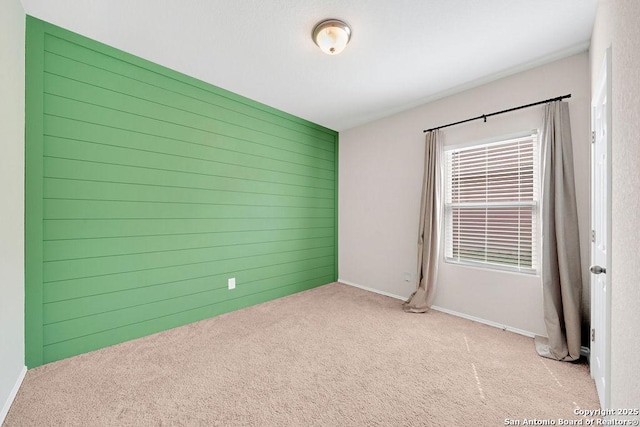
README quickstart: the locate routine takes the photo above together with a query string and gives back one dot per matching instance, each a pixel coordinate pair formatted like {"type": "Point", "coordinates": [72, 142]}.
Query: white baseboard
{"type": "Point", "coordinates": [377, 291]}
{"type": "Point", "coordinates": [584, 351]}
{"type": "Point", "coordinates": [446, 310]}
{"type": "Point", "coordinates": [12, 395]}
{"type": "Point", "coordinates": [485, 322]}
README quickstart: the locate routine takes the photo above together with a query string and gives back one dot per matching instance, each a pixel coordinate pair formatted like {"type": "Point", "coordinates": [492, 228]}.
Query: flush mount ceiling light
{"type": "Point", "coordinates": [331, 36]}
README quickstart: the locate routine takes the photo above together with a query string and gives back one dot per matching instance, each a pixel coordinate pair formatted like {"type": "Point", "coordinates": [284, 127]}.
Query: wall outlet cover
{"type": "Point", "coordinates": [232, 283]}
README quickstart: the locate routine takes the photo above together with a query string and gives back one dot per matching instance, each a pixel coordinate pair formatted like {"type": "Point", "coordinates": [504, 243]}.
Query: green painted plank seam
{"type": "Point", "coordinates": [183, 311]}
{"type": "Point", "coordinates": [182, 172]}
{"type": "Point", "coordinates": [186, 188]}
{"type": "Point", "coordinates": [126, 95]}
{"type": "Point", "coordinates": [181, 265]}
{"type": "Point", "coordinates": [183, 157]}
{"type": "Point", "coordinates": [219, 288]}
{"type": "Point", "coordinates": [184, 79]}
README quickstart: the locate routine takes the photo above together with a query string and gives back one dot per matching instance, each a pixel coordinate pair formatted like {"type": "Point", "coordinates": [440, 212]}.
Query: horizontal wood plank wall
{"type": "Point", "coordinates": [151, 189]}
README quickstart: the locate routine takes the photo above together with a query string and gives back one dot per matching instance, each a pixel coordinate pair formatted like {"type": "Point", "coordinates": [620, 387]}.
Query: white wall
{"type": "Point", "coordinates": [381, 166]}
{"type": "Point", "coordinates": [12, 26]}
{"type": "Point", "coordinates": [617, 26]}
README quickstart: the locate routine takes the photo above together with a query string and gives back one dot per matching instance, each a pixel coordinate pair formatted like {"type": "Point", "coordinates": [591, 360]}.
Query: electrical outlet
{"type": "Point", "coordinates": [232, 283]}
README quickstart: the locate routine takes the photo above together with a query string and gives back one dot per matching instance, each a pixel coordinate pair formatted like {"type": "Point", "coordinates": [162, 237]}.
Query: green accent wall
{"type": "Point", "coordinates": [147, 189]}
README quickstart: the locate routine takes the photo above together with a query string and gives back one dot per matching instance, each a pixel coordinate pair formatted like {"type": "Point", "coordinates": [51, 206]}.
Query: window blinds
{"type": "Point", "coordinates": [491, 204]}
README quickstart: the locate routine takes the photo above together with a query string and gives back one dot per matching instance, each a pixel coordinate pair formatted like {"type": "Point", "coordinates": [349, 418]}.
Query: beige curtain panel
{"type": "Point", "coordinates": [429, 227]}
{"type": "Point", "coordinates": [561, 275]}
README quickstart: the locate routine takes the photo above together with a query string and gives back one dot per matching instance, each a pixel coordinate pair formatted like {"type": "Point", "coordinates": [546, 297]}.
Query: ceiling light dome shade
{"type": "Point", "coordinates": [332, 36]}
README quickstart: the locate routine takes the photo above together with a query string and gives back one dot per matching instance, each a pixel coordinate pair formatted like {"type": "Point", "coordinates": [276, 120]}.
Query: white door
{"type": "Point", "coordinates": [601, 234]}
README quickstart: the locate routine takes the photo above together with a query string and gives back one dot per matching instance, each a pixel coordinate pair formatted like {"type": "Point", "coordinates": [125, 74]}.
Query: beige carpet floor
{"type": "Point", "coordinates": [331, 356]}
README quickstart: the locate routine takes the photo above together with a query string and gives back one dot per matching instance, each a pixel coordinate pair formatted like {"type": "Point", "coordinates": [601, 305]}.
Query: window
{"type": "Point", "coordinates": [491, 204]}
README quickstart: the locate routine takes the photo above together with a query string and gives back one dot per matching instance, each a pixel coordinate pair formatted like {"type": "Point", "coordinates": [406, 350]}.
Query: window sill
{"type": "Point", "coordinates": [493, 267]}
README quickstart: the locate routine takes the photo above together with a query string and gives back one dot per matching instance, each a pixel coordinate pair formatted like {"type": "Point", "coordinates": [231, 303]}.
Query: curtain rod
{"type": "Point", "coordinates": [484, 116]}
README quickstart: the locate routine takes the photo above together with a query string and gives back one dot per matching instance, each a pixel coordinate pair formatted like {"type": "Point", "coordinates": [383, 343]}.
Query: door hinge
{"type": "Point", "coordinates": [593, 235]}
{"type": "Point", "coordinates": [593, 334]}
{"type": "Point", "coordinates": [593, 136]}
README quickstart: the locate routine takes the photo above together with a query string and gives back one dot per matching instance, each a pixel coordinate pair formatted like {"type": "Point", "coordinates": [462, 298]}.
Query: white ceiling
{"type": "Point", "coordinates": [402, 53]}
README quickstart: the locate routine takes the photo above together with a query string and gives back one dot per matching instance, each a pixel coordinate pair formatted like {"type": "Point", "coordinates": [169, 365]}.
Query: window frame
{"type": "Point", "coordinates": [535, 204]}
